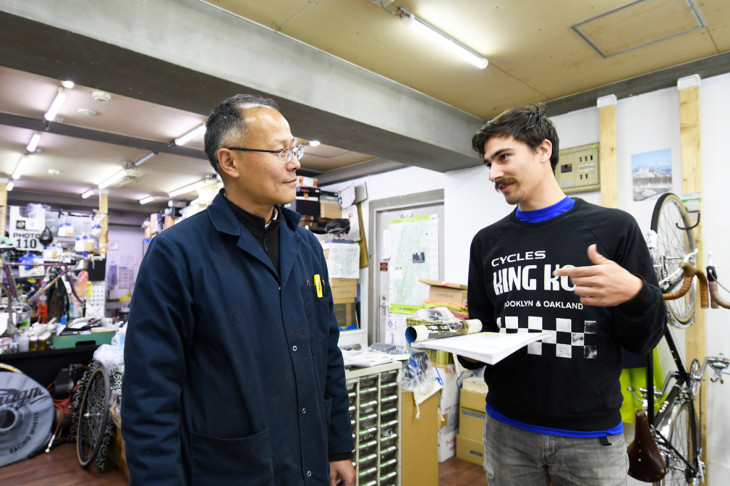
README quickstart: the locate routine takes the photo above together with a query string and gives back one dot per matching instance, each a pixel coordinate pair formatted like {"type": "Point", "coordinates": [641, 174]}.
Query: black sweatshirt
{"type": "Point", "coordinates": [569, 381]}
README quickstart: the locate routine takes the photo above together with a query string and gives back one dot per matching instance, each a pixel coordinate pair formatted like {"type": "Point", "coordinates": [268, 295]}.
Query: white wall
{"type": "Point", "coordinates": [643, 123]}
{"type": "Point", "coordinates": [714, 109]}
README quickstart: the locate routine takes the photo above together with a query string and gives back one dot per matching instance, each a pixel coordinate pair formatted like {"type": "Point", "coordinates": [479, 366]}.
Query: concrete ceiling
{"type": "Point", "coordinates": [347, 72]}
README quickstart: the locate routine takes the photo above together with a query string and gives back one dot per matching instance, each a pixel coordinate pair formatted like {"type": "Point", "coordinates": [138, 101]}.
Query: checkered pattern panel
{"type": "Point", "coordinates": [568, 339]}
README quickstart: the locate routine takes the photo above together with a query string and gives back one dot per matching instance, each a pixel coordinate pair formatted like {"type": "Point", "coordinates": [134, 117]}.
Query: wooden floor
{"type": "Point", "coordinates": [60, 468]}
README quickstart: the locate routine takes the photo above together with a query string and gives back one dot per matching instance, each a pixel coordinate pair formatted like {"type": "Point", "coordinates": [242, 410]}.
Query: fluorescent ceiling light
{"type": "Point", "coordinates": [88, 194]}
{"type": "Point", "coordinates": [192, 134]}
{"type": "Point", "coordinates": [33, 144]}
{"type": "Point", "coordinates": [111, 180]}
{"type": "Point", "coordinates": [50, 115]}
{"type": "Point", "coordinates": [186, 189]}
{"type": "Point", "coordinates": [428, 30]}
{"type": "Point", "coordinates": [10, 186]}
{"type": "Point", "coordinates": [313, 143]}
{"type": "Point", "coordinates": [144, 159]}
{"type": "Point", "coordinates": [19, 168]}
{"type": "Point", "coordinates": [147, 199]}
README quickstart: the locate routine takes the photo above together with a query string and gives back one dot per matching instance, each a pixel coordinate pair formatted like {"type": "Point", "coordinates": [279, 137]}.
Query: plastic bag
{"type": "Point", "coordinates": [418, 377]}
{"type": "Point", "coordinates": [111, 356]}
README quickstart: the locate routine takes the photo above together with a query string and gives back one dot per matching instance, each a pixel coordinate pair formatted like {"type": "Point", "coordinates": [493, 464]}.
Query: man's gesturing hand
{"type": "Point", "coordinates": [603, 284]}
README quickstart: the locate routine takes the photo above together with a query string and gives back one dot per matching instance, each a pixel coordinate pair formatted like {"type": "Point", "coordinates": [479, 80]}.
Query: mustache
{"type": "Point", "coordinates": [502, 183]}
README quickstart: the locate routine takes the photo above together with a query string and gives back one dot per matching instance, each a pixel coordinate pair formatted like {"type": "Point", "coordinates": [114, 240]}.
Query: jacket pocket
{"type": "Point", "coordinates": [242, 461]}
{"type": "Point", "coordinates": [318, 312]}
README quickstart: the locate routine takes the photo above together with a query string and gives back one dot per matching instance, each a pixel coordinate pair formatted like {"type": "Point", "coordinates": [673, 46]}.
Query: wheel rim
{"type": "Point", "coordinates": [682, 438]}
{"type": "Point", "coordinates": [674, 241]}
{"type": "Point", "coordinates": [93, 416]}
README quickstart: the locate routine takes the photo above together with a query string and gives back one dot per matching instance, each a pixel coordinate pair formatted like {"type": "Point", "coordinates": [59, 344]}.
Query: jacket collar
{"type": "Point", "coordinates": [224, 221]}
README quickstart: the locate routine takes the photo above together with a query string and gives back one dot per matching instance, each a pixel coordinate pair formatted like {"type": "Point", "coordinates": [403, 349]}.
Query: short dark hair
{"type": "Point", "coordinates": [227, 124]}
{"type": "Point", "coordinates": [528, 124]}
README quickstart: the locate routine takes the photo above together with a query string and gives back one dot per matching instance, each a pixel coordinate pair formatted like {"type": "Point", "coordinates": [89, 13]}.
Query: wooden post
{"type": "Point", "coordinates": [607, 151]}
{"type": "Point", "coordinates": [689, 121]}
{"type": "Point", "coordinates": [104, 223]}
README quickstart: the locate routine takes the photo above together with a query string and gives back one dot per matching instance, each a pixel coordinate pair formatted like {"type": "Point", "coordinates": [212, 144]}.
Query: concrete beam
{"type": "Point", "coordinates": [190, 55]}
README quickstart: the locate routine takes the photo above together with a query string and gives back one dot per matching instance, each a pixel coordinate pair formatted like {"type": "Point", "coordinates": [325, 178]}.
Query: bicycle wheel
{"type": "Point", "coordinates": [681, 432]}
{"type": "Point", "coordinates": [93, 415]}
{"type": "Point", "coordinates": [671, 223]}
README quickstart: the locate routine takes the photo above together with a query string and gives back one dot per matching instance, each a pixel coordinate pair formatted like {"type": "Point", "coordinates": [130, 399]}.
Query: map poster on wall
{"type": "Point", "coordinates": [652, 173]}
{"type": "Point", "coordinates": [413, 251]}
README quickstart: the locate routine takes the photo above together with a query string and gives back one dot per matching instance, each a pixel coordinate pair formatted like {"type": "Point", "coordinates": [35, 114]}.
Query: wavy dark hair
{"type": "Point", "coordinates": [227, 125]}
{"type": "Point", "coordinates": [528, 124]}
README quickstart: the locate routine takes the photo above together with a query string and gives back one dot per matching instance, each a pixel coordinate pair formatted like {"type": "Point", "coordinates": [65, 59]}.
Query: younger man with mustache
{"type": "Point", "coordinates": [580, 271]}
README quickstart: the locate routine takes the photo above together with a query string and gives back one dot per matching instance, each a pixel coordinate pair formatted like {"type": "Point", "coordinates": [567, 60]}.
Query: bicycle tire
{"type": "Point", "coordinates": [93, 416]}
{"type": "Point", "coordinates": [680, 429]}
{"type": "Point", "coordinates": [671, 223]}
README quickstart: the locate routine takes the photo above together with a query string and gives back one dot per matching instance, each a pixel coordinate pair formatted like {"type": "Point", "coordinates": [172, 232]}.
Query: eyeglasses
{"type": "Point", "coordinates": [285, 155]}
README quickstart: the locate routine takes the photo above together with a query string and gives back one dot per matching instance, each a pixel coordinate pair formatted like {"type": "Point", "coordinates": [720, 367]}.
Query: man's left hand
{"type": "Point", "coordinates": [342, 473]}
{"type": "Point", "coordinates": [603, 284]}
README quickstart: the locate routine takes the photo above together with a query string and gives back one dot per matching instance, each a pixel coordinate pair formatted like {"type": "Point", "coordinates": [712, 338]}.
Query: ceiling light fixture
{"type": "Point", "coordinates": [147, 199]}
{"type": "Point", "coordinates": [118, 176]}
{"type": "Point", "coordinates": [192, 134]}
{"type": "Point", "coordinates": [52, 112]}
{"type": "Point", "coordinates": [33, 144]}
{"type": "Point", "coordinates": [68, 84]}
{"type": "Point", "coordinates": [19, 168]}
{"type": "Point", "coordinates": [314, 143]}
{"type": "Point", "coordinates": [144, 159]}
{"type": "Point", "coordinates": [428, 30]}
{"type": "Point", "coordinates": [10, 186]}
{"type": "Point", "coordinates": [188, 188]}
{"type": "Point", "coordinates": [88, 194]}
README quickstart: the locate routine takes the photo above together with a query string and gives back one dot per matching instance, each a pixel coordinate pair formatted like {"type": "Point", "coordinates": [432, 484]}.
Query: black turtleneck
{"type": "Point", "coordinates": [266, 235]}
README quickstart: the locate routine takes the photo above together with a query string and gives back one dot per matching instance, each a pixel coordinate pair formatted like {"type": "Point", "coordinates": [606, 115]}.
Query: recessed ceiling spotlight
{"type": "Point", "coordinates": [101, 96]}
{"type": "Point", "coordinates": [54, 171]}
{"type": "Point", "coordinates": [313, 143]}
{"type": "Point", "coordinates": [87, 112]}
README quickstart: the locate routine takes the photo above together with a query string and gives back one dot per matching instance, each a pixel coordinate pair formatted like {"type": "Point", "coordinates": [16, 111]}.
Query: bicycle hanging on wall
{"type": "Point", "coordinates": [667, 446]}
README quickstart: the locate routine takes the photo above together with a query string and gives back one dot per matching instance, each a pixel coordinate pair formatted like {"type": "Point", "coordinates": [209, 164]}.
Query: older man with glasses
{"type": "Point", "coordinates": [232, 370]}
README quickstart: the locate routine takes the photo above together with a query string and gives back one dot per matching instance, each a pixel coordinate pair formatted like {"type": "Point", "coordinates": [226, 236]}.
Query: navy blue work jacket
{"type": "Point", "coordinates": [232, 373]}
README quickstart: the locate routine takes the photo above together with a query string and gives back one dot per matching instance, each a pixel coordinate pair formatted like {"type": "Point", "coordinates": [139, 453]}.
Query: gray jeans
{"type": "Point", "coordinates": [513, 456]}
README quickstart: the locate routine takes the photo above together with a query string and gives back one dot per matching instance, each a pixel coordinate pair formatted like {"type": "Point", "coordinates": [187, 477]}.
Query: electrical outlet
{"type": "Point", "coordinates": [578, 169]}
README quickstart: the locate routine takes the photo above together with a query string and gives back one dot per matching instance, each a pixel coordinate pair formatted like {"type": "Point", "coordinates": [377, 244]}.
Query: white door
{"type": "Point", "coordinates": [409, 245]}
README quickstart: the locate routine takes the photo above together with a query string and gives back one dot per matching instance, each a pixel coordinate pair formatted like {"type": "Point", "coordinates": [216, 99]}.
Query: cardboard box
{"type": "Point", "coordinates": [449, 419]}
{"type": "Point", "coordinates": [473, 393]}
{"type": "Point", "coordinates": [447, 377]}
{"type": "Point", "coordinates": [470, 450]}
{"type": "Point", "coordinates": [446, 445]}
{"type": "Point", "coordinates": [346, 315]}
{"type": "Point", "coordinates": [329, 205]}
{"type": "Point", "coordinates": [471, 423]}
{"type": "Point", "coordinates": [419, 441]}
{"type": "Point", "coordinates": [307, 181]}
{"type": "Point", "coordinates": [344, 290]}
{"type": "Point", "coordinates": [445, 292]}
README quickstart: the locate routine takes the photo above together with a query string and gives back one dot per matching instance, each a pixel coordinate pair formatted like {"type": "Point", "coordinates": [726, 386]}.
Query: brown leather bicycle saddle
{"type": "Point", "coordinates": [645, 460]}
